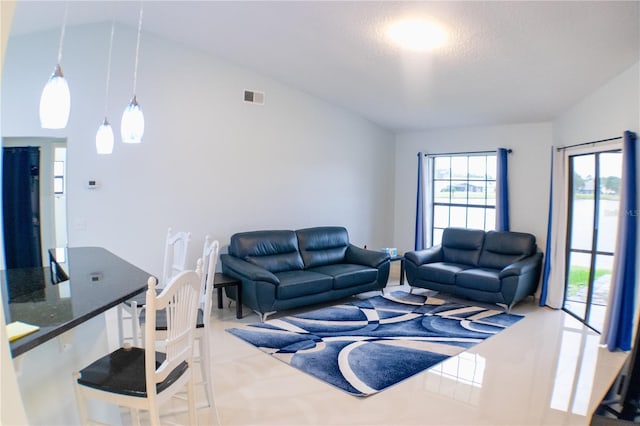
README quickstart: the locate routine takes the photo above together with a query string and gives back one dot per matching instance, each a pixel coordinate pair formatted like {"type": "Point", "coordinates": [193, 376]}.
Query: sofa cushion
{"type": "Point", "coordinates": [504, 248]}
{"type": "Point", "coordinates": [274, 251]}
{"type": "Point", "coordinates": [302, 283]}
{"type": "Point", "coordinates": [479, 279]}
{"type": "Point", "coordinates": [461, 245]}
{"type": "Point", "coordinates": [347, 274]}
{"type": "Point", "coordinates": [323, 245]}
{"type": "Point", "coordinates": [441, 272]}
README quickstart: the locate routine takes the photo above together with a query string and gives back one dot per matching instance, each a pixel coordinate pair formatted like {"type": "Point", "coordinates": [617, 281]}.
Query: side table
{"type": "Point", "coordinates": [400, 259]}
{"type": "Point", "coordinates": [221, 281]}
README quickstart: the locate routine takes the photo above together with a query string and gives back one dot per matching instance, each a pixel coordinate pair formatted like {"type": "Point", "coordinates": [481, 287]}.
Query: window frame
{"type": "Point", "coordinates": [489, 181]}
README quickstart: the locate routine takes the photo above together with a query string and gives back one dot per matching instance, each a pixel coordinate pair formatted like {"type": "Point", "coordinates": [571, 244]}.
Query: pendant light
{"type": "Point", "coordinates": [104, 136]}
{"type": "Point", "coordinates": [132, 124]}
{"type": "Point", "coordinates": [55, 101]}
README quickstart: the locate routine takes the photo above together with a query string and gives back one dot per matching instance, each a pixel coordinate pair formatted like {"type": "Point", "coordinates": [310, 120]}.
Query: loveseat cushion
{"type": "Point", "coordinates": [441, 272]}
{"type": "Point", "coordinates": [504, 248]}
{"type": "Point", "coordinates": [462, 246]}
{"type": "Point", "coordinates": [302, 283]}
{"type": "Point", "coordinates": [274, 251]}
{"type": "Point", "coordinates": [479, 279]}
{"type": "Point", "coordinates": [323, 245]}
{"type": "Point", "coordinates": [348, 275]}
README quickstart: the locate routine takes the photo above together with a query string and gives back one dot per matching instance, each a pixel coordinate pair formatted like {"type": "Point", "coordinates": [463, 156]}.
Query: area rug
{"type": "Point", "coordinates": [365, 346]}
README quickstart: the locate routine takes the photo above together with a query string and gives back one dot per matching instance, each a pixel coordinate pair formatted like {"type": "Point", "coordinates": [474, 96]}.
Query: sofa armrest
{"type": "Point", "coordinates": [420, 257]}
{"type": "Point", "coordinates": [248, 270]}
{"type": "Point", "coordinates": [523, 266]}
{"type": "Point", "coordinates": [361, 256]}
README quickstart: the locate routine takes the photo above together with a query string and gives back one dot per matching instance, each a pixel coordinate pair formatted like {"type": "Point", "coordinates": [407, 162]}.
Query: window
{"type": "Point", "coordinates": [464, 192]}
{"type": "Point", "coordinates": [58, 177]}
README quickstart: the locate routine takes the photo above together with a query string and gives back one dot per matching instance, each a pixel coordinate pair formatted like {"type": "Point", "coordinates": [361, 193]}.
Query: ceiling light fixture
{"type": "Point", "coordinates": [417, 35]}
{"type": "Point", "coordinates": [55, 101]}
{"type": "Point", "coordinates": [132, 124]}
{"type": "Point", "coordinates": [104, 136]}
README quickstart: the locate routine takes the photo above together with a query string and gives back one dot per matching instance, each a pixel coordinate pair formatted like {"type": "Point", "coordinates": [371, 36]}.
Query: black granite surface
{"type": "Point", "coordinates": [98, 281]}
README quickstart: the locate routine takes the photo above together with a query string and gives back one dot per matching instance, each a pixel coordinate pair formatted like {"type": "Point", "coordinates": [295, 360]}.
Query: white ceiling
{"type": "Point", "coordinates": [506, 62]}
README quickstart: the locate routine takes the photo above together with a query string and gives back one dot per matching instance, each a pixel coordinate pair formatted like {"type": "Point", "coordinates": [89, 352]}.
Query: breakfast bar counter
{"type": "Point", "coordinates": [97, 281]}
{"type": "Point", "coordinates": [71, 301]}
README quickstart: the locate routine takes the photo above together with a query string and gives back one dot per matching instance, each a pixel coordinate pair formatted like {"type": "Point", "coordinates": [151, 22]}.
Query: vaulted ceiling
{"type": "Point", "coordinates": [504, 62]}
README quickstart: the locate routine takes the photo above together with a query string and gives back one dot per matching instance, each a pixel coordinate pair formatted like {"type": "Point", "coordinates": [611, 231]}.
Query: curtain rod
{"type": "Point", "coordinates": [509, 151]}
{"type": "Point", "coordinates": [561, 148]}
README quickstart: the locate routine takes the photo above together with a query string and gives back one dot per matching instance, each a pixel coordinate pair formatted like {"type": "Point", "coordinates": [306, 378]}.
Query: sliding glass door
{"type": "Point", "coordinates": [594, 199]}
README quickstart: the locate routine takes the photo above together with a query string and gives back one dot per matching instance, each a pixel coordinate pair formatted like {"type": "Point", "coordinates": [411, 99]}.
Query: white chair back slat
{"type": "Point", "coordinates": [175, 254]}
{"type": "Point", "coordinates": [179, 299]}
{"type": "Point", "coordinates": [210, 260]}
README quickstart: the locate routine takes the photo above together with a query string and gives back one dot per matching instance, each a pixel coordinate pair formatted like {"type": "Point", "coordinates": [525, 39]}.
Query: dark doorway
{"type": "Point", "coordinates": [21, 207]}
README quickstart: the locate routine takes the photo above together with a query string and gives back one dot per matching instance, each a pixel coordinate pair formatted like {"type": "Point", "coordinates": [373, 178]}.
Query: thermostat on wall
{"type": "Point", "coordinates": [92, 184]}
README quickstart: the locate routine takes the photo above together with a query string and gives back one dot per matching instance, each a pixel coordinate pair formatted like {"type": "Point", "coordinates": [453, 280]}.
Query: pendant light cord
{"type": "Point", "coordinates": [135, 68]}
{"type": "Point", "coordinates": [64, 26]}
{"type": "Point", "coordinates": [106, 90]}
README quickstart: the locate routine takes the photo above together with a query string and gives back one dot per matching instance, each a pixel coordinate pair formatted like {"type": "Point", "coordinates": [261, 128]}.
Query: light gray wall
{"type": "Point", "coordinates": [209, 163]}
{"type": "Point", "coordinates": [528, 172]}
{"type": "Point", "coordinates": [606, 112]}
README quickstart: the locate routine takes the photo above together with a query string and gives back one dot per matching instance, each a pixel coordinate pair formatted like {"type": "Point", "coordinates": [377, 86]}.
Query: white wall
{"type": "Point", "coordinates": [606, 112]}
{"type": "Point", "coordinates": [209, 163]}
{"type": "Point", "coordinates": [11, 407]}
{"type": "Point", "coordinates": [528, 172]}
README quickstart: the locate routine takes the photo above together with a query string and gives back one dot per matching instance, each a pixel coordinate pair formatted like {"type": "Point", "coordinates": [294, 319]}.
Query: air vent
{"type": "Point", "coordinates": [253, 97]}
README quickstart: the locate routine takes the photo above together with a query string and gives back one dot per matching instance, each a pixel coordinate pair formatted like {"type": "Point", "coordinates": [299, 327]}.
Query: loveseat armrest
{"type": "Point", "coordinates": [524, 266]}
{"type": "Point", "coordinates": [247, 270]}
{"type": "Point", "coordinates": [361, 256]}
{"type": "Point", "coordinates": [420, 257]}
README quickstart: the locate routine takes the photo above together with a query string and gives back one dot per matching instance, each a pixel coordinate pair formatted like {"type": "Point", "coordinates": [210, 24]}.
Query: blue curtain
{"type": "Point", "coordinates": [502, 191]}
{"type": "Point", "coordinates": [619, 328]}
{"type": "Point", "coordinates": [546, 268]}
{"type": "Point", "coordinates": [419, 238]}
{"type": "Point", "coordinates": [21, 206]}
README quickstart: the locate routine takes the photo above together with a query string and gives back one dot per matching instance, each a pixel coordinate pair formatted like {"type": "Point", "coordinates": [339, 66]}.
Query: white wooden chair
{"type": "Point", "coordinates": [143, 378]}
{"type": "Point", "coordinates": [175, 259]}
{"type": "Point", "coordinates": [207, 268]}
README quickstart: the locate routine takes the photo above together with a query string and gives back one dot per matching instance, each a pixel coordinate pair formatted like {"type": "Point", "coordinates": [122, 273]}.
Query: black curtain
{"type": "Point", "coordinates": [21, 206]}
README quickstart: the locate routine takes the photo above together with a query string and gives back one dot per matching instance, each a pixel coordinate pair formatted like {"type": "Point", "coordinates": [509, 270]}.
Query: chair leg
{"type": "Point", "coordinates": [135, 323]}
{"type": "Point", "coordinates": [191, 401]}
{"type": "Point", "coordinates": [120, 325]}
{"type": "Point", "coordinates": [80, 400]}
{"type": "Point", "coordinates": [205, 366]}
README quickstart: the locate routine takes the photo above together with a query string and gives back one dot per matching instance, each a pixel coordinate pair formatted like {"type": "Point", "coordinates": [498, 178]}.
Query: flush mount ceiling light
{"type": "Point", "coordinates": [417, 35]}
{"type": "Point", "coordinates": [55, 101]}
{"type": "Point", "coordinates": [132, 124]}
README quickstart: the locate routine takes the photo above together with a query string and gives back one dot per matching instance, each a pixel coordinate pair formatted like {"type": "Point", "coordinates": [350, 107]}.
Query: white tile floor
{"type": "Point", "coordinates": [545, 369]}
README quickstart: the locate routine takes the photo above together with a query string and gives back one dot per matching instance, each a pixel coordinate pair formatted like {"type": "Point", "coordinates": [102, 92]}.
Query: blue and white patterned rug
{"type": "Point", "coordinates": [365, 346]}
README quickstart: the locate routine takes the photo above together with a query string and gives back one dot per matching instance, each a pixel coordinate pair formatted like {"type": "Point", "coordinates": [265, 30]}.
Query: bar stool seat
{"type": "Point", "coordinates": [123, 372]}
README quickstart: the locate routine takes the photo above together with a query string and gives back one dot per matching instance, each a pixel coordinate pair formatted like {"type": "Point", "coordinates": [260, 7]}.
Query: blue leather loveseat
{"type": "Point", "coordinates": [494, 267]}
{"type": "Point", "coordinates": [288, 269]}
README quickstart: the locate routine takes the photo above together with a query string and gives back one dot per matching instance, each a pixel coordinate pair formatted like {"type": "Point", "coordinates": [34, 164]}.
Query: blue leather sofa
{"type": "Point", "coordinates": [494, 267]}
{"type": "Point", "coordinates": [288, 269]}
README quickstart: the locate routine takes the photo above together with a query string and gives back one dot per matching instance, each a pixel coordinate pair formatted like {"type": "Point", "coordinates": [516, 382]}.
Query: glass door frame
{"type": "Point", "coordinates": [593, 251]}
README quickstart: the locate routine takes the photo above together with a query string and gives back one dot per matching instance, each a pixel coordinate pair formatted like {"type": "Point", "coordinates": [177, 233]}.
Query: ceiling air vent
{"type": "Point", "coordinates": [253, 97]}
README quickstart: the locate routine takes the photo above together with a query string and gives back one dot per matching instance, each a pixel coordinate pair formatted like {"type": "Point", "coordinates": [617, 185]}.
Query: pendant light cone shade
{"type": "Point", "coordinates": [132, 125]}
{"type": "Point", "coordinates": [104, 138]}
{"type": "Point", "coordinates": [55, 102]}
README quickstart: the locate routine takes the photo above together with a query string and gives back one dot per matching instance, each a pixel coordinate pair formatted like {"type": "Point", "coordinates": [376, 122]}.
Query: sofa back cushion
{"type": "Point", "coordinates": [276, 251]}
{"type": "Point", "coordinates": [461, 245]}
{"type": "Point", "coordinates": [323, 245]}
{"type": "Point", "coordinates": [504, 248]}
